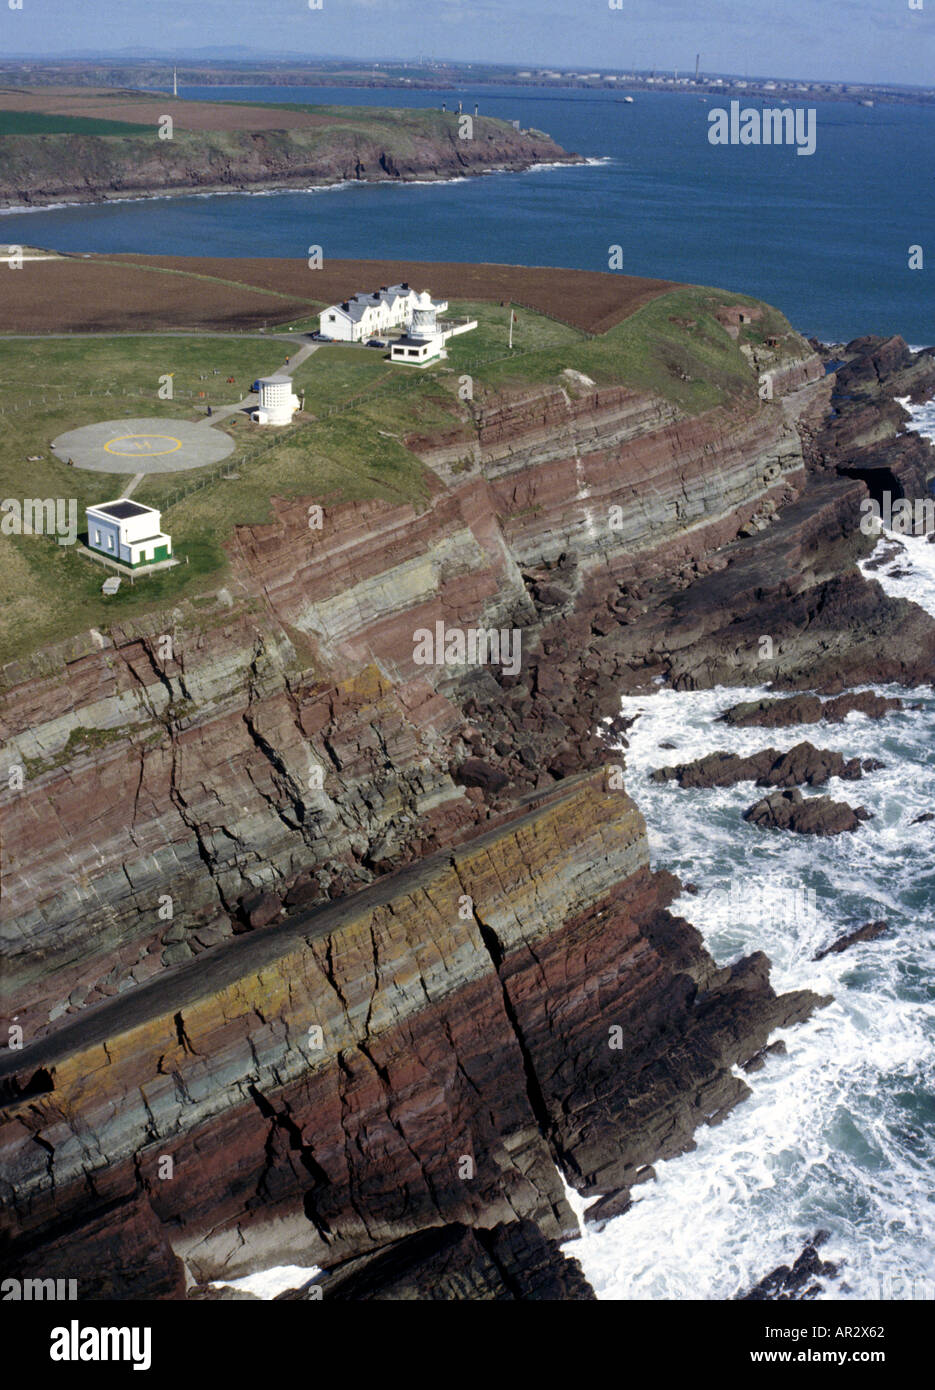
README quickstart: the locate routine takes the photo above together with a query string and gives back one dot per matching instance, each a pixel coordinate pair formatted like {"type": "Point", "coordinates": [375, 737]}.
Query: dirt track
{"type": "Point", "coordinates": [125, 293]}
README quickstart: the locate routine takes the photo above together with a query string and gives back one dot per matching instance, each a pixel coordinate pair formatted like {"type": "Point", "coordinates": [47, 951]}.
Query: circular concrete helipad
{"type": "Point", "coordinates": [143, 446]}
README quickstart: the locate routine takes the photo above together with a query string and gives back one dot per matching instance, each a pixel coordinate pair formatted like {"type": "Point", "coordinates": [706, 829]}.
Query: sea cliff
{"type": "Point", "coordinates": [365, 948]}
{"type": "Point", "coordinates": [80, 147]}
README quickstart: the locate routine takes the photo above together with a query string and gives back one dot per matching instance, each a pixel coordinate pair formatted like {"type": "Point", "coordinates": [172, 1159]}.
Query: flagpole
{"type": "Point", "coordinates": [512, 317]}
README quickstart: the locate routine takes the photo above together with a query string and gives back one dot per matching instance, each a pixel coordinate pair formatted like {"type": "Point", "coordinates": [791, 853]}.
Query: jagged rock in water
{"type": "Point", "coordinates": [809, 709]}
{"type": "Point", "coordinates": [802, 765]}
{"type": "Point", "coordinates": [870, 932]}
{"type": "Point", "coordinates": [818, 815]}
{"type": "Point", "coordinates": [799, 1281]}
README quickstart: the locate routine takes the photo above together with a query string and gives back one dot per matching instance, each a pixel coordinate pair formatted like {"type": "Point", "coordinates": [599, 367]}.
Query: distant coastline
{"type": "Point", "coordinates": [270, 70]}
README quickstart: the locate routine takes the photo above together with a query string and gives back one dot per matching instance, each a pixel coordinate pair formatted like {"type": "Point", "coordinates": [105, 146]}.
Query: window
{"type": "Point", "coordinates": [97, 537]}
{"type": "Point", "coordinates": [110, 542]}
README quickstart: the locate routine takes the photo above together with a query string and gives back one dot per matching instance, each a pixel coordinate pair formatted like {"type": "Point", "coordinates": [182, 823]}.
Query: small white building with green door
{"type": "Point", "coordinates": [127, 532]}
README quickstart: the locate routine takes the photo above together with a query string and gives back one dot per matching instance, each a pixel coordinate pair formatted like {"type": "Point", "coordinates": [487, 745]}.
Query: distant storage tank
{"type": "Point", "coordinates": [423, 323]}
{"type": "Point", "coordinates": [277, 401]}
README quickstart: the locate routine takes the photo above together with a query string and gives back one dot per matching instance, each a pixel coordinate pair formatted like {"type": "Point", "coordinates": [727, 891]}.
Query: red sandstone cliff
{"type": "Point", "coordinates": [293, 754]}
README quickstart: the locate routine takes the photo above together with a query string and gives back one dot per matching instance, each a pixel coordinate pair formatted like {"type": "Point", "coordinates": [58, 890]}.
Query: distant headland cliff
{"type": "Point", "coordinates": [65, 145]}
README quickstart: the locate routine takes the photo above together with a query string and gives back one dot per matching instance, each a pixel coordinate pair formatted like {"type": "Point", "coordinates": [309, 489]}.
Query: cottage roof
{"type": "Point", "coordinates": [357, 308]}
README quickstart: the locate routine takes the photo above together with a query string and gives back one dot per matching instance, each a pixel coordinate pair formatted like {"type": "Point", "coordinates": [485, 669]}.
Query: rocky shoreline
{"type": "Point", "coordinates": [418, 964]}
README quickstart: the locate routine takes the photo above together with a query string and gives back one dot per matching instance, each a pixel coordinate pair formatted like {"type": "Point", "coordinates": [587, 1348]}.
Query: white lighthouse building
{"type": "Point", "coordinates": [425, 341]}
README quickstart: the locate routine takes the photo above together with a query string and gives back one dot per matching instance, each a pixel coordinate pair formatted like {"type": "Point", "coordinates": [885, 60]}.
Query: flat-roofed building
{"type": "Point", "coordinates": [128, 532]}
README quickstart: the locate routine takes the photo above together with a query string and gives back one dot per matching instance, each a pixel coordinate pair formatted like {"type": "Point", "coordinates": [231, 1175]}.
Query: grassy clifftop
{"type": "Point", "coordinates": [349, 445]}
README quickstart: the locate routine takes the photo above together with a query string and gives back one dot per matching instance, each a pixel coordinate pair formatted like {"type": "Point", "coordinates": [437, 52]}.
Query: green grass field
{"type": "Point", "coordinates": [363, 410]}
{"type": "Point", "coordinates": [35, 123]}
{"type": "Point", "coordinates": [674, 347]}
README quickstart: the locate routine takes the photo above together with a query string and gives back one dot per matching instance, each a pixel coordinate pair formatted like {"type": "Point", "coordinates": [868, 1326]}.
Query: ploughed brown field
{"type": "Point", "coordinates": [141, 109]}
{"type": "Point", "coordinates": [139, 293]}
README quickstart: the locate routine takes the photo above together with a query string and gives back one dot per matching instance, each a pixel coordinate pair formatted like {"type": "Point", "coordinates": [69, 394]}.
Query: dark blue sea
{"type": "Point", "coordinates": [824, 237]}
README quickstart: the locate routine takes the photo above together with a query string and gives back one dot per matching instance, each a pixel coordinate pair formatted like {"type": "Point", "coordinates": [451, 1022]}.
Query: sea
{"type": "Point", "coordinates": [839, 1132]}
{"type": "Point", "coordinates": [825, 237]}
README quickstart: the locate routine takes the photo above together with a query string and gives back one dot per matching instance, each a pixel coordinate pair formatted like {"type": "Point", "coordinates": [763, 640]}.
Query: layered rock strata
{"type": "Point", "coordinates": [292, 826]}
{"type": "Point", "coordinates": [319, 1090]}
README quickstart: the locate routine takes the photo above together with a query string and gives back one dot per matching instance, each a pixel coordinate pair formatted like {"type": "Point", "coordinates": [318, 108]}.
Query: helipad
{"type": "Point", "coordinates": [143, 446]}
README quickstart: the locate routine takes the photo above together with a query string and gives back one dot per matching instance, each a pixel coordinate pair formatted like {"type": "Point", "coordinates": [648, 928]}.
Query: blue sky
{"type": "Point", "coordinates": [860, 40]}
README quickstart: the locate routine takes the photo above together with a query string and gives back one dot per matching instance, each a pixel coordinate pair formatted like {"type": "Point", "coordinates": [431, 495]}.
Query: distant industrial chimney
{"type": "Point", "coordinates": [175, 82]}
{"type": "Point", "coordinates": [697, 61]}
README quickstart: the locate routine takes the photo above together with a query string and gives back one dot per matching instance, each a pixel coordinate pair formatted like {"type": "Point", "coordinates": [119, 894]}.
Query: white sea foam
{"type": "Point", "coordinates": [909, 571]}
{"type": "Point", "coordinates": [589, 161]}
{"type": "Point", "coordinates": [837, 1133]}
{"type": "Point", "coordinates": [923, 417]}
{"type": "Point", "coordinates": [17, 211]}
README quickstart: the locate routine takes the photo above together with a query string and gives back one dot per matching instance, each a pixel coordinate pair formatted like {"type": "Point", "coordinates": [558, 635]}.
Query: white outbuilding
{"type": "Point", "coordinates": [278, 402]}
{"type": "Point", "coordinates": [128, 532]}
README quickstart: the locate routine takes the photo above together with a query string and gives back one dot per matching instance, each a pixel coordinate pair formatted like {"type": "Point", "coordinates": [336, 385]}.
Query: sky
{"type": "Point", "coordinates": [845, 40]}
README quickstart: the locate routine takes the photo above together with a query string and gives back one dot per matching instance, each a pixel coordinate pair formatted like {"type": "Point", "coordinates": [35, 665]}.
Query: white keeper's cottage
{"type": "Point", "coordinates": [127, 532]}
{"type": "Point", "coordinates": [364, 316]}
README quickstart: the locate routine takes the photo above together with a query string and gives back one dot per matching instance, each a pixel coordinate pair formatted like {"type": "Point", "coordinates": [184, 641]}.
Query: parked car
{"type": "Point", "coordinates": [255, 386]}
{"type": "Point", "coordinates": [377, 343]}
